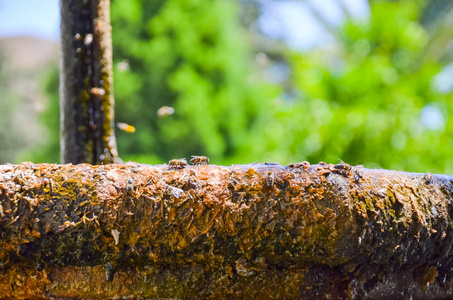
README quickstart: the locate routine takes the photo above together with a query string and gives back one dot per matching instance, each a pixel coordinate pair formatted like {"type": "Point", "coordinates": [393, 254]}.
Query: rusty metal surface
{"type": "Point", "coordinates": [260, 230]}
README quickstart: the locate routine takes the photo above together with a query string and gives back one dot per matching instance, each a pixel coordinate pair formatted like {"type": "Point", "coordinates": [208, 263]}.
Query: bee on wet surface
{"type": "Point", "coordinates": [269, 179]}
{"type": "Point", "coordinates": [428, 178]}
{"type": "Point", "coordinates": [342, 168]}
{"type": "Point", "coordinates": [199, 160]}
{"type": "Point", "coordinates": [358, 174]}
{"type": "Point", "coordinates": [177, 164]}
{"type": "Point", "coordinates": [130, 185]}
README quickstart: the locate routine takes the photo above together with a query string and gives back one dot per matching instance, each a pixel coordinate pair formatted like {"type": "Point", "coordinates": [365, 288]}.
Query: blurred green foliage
{"type": "Point", "coordinates": [11, 131]}
{"type": "Point", "coordinates": [49, 152]}
{"type": "Point", "coordinates": [8, 106]}
{"type": "Point", "coordinates": [364, 104]}
{"type": "Point", "coordinates": [361, 103]}
{"type": "Point", "coordinates": [190, 55]}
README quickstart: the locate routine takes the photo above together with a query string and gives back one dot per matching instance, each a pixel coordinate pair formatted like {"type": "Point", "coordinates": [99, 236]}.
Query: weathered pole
{"type": "Point", "coordinates": [246, 231]}
{"type": "Point", "coordinates": [86, 90]}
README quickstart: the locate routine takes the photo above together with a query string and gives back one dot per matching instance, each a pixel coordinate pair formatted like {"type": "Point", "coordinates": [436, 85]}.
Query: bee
{"type": "Point", "coordinates": [123, 65]}
{"type": "Point", "coordinates": [199, 160]}
{"type": "Point", "coordinates": [177, 164]}
{"type": "Point", "coordinates": [269, 179]}
{"type": "Point", "coordinates": [165, 111]}
{"type": "Point", "coordinates": [97, 91]}
{"type": "Point", "coordinates": [130, 185]}
{"type": "Point", "coordinates": [357, 174]}
{"type": "Point", "coordinates": [125, 127]}
{"type": "Point", "coordinates": [342, 168]}
{"type": "Point", "coordinates": [428, 178]}
{"type": "Point", "coordinates": [88, 39]}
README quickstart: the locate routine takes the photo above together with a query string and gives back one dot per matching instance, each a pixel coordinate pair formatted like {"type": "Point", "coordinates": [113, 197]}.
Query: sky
{"type": "Point", "coordinates": [39, 18]}
{"type": "Point", "coordinates": [294, 22]}
{"type": "Point", "coordinates": [289, 20]}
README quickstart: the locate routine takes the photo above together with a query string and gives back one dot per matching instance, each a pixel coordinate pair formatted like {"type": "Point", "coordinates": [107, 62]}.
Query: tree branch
{"type": "Point", "coordinates": [249, 231]}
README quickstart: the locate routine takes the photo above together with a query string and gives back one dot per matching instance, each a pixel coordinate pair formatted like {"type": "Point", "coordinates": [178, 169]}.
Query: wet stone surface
{"type": "Point", "coordinates": [258, 230]}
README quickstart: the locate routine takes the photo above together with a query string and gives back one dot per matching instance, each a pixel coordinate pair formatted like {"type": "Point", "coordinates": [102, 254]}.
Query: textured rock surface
{"type": "Point", "coordinates": [254, 231]}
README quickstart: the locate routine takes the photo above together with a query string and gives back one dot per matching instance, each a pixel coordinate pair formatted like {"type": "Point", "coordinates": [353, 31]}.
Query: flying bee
{"type": "Point", "coordinates": [97, 91]}
{"type": "Point", "coordinates": [177, 164]}
{"type": "Point", "coordinates": [165, 111]}
{"type": "Point", "coordinates": [88, 39]}
{"type": "Point", "coordinates": [199, 160]}
{"type": "Point", "coordinates": [125, 127]}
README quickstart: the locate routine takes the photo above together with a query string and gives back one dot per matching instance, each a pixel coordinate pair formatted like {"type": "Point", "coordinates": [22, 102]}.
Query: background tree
{"type": "Point", "coordinates": [373, 102]}
{"type": "Point", "coordinates": [191, 56]}
{"type": "Point", "coordinates": [370, 98]}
